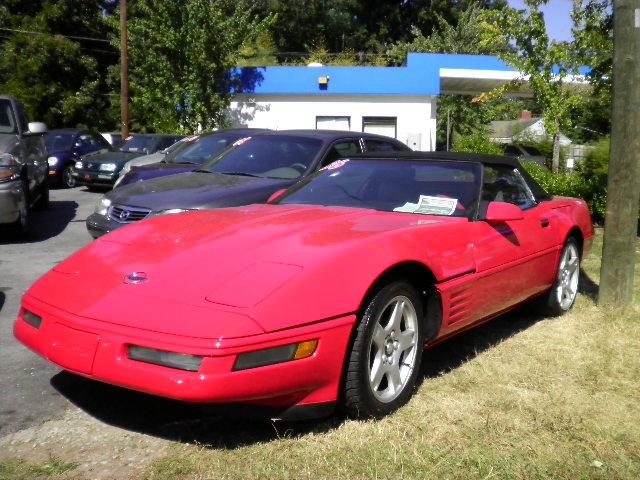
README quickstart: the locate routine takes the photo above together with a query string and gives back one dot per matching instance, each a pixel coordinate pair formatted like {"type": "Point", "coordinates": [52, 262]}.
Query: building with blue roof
{"type": "Point", "coordinates": [400, 102]}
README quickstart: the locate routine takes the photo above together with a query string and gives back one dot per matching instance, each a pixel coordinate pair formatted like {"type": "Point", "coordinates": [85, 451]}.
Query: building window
{"type": "Point", "coordinates": [333, 123]}
{"type": "Point", "coordinates": [381, 125]}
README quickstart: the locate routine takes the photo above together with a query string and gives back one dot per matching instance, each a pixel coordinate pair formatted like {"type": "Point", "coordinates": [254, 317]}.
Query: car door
{"type": "Point", "coordinates": [342, 148]}
{"type": "Point", "coordinates": [514, 259]}
{"type": "Point", "coordinates": [34, 151]}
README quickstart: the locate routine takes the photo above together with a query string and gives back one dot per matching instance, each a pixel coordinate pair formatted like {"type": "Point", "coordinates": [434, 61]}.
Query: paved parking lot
{"type": "Point", "coordinates": [27, 396]}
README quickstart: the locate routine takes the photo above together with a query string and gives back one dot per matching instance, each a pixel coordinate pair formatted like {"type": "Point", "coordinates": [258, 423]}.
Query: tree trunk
{"type": "Point", "coordinates": [623, 186]}
{"type": "Point", "coordinates": [555, 160]}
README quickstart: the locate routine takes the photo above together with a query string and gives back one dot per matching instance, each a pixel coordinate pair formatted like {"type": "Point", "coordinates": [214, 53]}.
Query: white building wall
{"type": "Point", "coordinates": [416, 115]}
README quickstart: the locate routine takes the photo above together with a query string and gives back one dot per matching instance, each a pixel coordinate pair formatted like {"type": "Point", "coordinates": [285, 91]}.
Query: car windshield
{"type": "Point", "coordinates": [59, 141]}
{"type": "Point", "coordinates": [422, 187]}
{"type": "Point", "coordinates": [138, 144]}
{"type": "Point", "coordinates": [7, 121]}
{"type": "Point", "coordinates": [271, 156]}
{"type": "Point", "coordinates": [203, 149]}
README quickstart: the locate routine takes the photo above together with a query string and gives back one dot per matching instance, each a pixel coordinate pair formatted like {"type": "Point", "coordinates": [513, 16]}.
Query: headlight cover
{"type": "Point", "coordinates": [181, 361]}
{"type": "Point", "coordinates": [78, 165]}
{"type": "Point", "coordinates": [103, 206]}
{"type": "Point", "coordinates": [108, 167]}
{"type": "Point", "coordinates": [8, 167]}
{"type": "Point", "coordinates": [52, 161]}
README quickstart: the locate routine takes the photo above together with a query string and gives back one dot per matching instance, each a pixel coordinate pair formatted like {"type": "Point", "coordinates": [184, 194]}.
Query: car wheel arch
{"type": "Point", "coordinates": [576, 234]}
{"type": "Point", "coordinates": [422, 278]}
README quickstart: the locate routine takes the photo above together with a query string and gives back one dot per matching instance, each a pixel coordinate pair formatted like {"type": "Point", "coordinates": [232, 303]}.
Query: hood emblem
{"type": "Point", "coordinates": [124, 214]}
{"type": "Point", "coordinates": [135, 278]}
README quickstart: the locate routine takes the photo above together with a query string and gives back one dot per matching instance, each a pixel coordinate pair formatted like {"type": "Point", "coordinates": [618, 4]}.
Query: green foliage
{"type": "Point", "coordinates": [588, 182]}
{"type": "Point", "coordinates": [477, 142]}
{"type": "Point", "coordinates": [522, 40]}
{"type": "Point", "coordinates": [357, 25]}
{"type": "Point", "coordinates": [17, 469]}
{"type": "Point", "coordinates": [180, 57]}
{"type": "Point", "coordinates": [463, 36]}
{"type": "Point", "coordinates": [258, 53]}
{"type": "Point", "coordinates": [60, 80]}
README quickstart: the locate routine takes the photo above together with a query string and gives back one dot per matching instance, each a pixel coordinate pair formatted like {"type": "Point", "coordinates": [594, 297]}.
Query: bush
{"type": "Point", "coordinates": [476, 142]}
{"type": "Point", "coordinates": [593, 172]}
{"type": "Point", "coordinates": [589, 181]}
{"type": "Point", "coordinates": [563, 184]}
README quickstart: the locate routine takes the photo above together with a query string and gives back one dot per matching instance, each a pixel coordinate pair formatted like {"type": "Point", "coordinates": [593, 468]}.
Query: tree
{"type": "Point", "coordinates": [360, 26]}
{"type": "Point", "coordinates": [593, 44]}
{"type": "Point", "coordinates": [465, 116]}
{"type": "Point", "coordinates": [521, 38]}
{"type": "Point", "coordinates": [43, 60]}
{"type": "Point", "coordinates": [181, 54]}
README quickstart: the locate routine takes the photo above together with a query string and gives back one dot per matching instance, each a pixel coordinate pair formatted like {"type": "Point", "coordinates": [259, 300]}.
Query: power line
{"type": "Point", "coordinates": [73, 37]}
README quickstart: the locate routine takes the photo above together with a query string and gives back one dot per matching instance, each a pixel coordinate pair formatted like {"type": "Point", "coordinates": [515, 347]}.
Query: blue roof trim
{"type": "Point", "coordinates": [420, 76]}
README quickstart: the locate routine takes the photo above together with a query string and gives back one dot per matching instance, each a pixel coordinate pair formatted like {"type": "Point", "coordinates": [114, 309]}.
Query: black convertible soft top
{"type": "Point", "coordinates": [538, 192]}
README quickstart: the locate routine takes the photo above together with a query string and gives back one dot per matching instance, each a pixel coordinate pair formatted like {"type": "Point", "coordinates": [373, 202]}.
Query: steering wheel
{"type": "Point", "coordinates": [299, 166]}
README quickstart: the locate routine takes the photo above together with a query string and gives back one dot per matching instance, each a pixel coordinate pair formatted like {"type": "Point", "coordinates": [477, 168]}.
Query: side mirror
{"type": "Point", "coordinates": [276, 195]}
{"type": "Point", "coordinates": [503, 212]}
{"type": "Point", "coordinates": [36, 128]}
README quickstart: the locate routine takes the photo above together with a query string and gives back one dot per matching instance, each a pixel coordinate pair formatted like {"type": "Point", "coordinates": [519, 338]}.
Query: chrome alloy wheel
{"type": "Point", "coordinates": [568, 274]}
{"type": "Point", "coordinates": [393, 350]}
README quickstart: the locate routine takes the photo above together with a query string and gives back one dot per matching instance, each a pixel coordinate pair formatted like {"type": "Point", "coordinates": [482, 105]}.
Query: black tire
{"type": "Point", "coordinates": [556, 303]}
{"type": "Point", "coordinates": [43, 201]}
{"type": "Point", "coordinates": [66, 178]}
{"type": "Point", "coordinates": [361, 398]}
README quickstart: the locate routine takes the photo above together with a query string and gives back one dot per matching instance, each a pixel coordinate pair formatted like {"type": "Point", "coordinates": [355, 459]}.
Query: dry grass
{"type": "Point", "coordinates": [523, 397]}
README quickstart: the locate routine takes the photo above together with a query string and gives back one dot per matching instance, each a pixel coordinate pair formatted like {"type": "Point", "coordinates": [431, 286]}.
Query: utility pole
{"type": "Point", "coordinates": [124, 72]}
{"type": "Point", "coordinates": [623, 187]}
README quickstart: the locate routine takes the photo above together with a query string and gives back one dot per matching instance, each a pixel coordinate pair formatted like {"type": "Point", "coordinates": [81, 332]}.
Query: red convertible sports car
{"type": "Point", "coordinates": [325, 295]}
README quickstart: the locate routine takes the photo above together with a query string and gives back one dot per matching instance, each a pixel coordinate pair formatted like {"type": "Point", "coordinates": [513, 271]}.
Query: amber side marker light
{"type": "Point", "coordinates": [271, 356]}
{"type": "Point", "coordinates": [32, 319]}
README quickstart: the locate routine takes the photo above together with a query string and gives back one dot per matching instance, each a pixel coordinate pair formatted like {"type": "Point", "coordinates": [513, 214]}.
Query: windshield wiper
{"type": "Point", "coordinates": [242, 174]}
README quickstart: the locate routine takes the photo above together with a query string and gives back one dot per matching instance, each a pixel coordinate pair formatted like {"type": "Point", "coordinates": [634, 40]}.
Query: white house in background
{"type": "Point", "coordinates": [521, 130]}
{"type": "Point", "coordinates": [399, 102]}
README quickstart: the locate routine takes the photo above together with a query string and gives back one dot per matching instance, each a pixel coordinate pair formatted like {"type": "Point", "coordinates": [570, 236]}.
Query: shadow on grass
{"type": "Point", "coordinates": [452, 353]}
{"type": "Point", "coordinates": [232, 426]}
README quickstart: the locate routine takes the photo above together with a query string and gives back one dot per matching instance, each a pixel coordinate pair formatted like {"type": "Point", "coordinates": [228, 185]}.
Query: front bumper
{"type": "Point", "coordinates": [97, 178]}
{"type": "Point", "coordinates": [98, 350]}
{"type": "Point", "coordinates": [10, 200]}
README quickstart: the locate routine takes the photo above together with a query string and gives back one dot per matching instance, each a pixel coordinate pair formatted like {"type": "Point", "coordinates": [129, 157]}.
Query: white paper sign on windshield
{"type": "Point", "coordinates": [428, 205]}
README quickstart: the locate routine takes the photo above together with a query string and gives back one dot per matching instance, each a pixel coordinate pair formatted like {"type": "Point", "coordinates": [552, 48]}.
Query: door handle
{"type": "Point", "coordinates": [544, 222]}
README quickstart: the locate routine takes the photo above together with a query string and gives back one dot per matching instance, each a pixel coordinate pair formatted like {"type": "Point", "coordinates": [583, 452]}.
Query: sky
{"type": "Point", "coordinates": [556, 16]}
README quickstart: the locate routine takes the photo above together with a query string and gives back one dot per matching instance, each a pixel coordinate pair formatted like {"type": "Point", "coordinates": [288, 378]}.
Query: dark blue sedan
{"type": "Point", "coordinates": [249, 171]}
{"type": "Point", "coordinates": [65, 147]}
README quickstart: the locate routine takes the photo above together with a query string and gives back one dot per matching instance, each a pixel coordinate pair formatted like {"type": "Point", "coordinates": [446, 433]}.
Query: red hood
{"type": "Point", "coordinates": [215, 259]}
